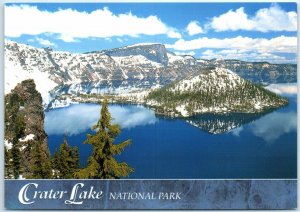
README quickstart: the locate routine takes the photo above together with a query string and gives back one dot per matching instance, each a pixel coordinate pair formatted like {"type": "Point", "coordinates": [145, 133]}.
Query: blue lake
{"type": "Point", "coordinates": [203, 147]}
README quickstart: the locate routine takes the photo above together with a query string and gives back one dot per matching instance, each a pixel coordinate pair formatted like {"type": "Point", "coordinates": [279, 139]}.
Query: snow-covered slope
{"type": "Point", "coordinates": [15, 73]}
{"type": "Point", "coordinates": [215, 90]}
{"type": "Point", "coordinates": [141, 65]}
{"type": "Point", "coordinates": [137, 66]}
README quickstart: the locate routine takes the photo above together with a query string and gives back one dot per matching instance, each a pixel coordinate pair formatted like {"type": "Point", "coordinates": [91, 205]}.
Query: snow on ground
{"type": "Point", "coordinates": [21, 177]}
{"type": "Point", "coordinates": [15, 74]}
{"type": "Point", "coordinates": [27, 138]}
{"type": "Point", "coordinates": [257, 105]}
{"type": "Point", "coordinates": [7, 144]}
{"type": "Point", "coordinates": [220, 77]}
{"type": "Point", "coordinates": [62, 103]}
{"type": "Point", "coordinates": [182, 110]}
{"type": "Point", "coordinates": [172, 58]}
{"type": "Point", "coordinates": [138, 96]}
{"type": "Point", "coordinates": [141, 44]}
{"type": "Point", "coordinates": [135, 60]}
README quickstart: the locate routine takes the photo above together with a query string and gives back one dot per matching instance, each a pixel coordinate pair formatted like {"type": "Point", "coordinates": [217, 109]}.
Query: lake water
{"type": "Point", "coordinates": [203, 147]}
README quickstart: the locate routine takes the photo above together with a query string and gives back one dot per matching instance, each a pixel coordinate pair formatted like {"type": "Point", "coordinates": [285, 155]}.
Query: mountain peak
{"type": "Point", "coordinates": [152, 51]}
{"type": "Point", "coordinates": [214, 90]}
{"type": "Point", "coordinates": [143, 44]}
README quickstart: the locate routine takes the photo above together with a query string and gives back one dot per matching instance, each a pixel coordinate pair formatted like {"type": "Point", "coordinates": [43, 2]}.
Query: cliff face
{"type": "Point", "coordinates": [24, 126]}
{"type": "Point", "coordinates": [140, 66]}
{"type": "Point", "coordinates": [153, 52]}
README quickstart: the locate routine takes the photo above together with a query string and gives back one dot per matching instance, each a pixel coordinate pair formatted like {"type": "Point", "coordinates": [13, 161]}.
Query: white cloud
{"type": "Point", "coordinates": [79, 118]}
{"type": "Point", "coordinates": [67, 38]}
{"type": "Point", "coordinates": [281, 44]}
{"type": "Point", "coordinates": [185, 53]}
{"type": "Point", "coordinates": [173, 34]}
{"type": "Point", "coordinates": [71, 25]}
{"type": "Point", "coordinates": [266, 19]}
{"type": "Point", "coordinates": [193, 28]}
{"type": "Point", "coordinates": [281, 89]}
{"type": "Point", "coordinates": [245, 55]}
{"type": "Point", "coordinates": [41, 41]}
{"type": "Point", "coordinates": [44, 42]}
{"type": "Point", "coordinates": [120, 40]}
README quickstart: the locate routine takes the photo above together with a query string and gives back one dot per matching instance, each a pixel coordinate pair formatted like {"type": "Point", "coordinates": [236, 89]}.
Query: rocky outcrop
{"type": "Point", "coordinates": [24, 124]}
{"type": "Point", "coordinates": [153, 52]}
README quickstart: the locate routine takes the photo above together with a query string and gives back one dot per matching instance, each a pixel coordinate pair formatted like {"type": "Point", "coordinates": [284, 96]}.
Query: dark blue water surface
{"type": "Point", "coordinates": [203, 147]}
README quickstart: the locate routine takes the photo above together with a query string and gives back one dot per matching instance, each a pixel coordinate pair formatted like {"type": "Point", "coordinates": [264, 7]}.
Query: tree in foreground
{"type": "Point", "coordinates": [8, 171]}
{"type": "Point", "coordinates": [102, 164]}
{"type": "Point", "coordinates": [40, 163]}
{"type": "Point", "coordinates": [66, 161]}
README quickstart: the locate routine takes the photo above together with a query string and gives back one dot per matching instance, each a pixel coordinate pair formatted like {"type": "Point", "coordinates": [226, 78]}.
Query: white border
{"type": "Point", "coordinates": [2, 2]}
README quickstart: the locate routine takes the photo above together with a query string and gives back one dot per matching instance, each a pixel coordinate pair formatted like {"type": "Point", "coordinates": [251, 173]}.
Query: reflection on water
{"type": "Point", "coordinates": [222, 123]}
{"type": "Point", "coordinates": [232, 146]}
{"type": "Point", "coordinates": [269, 127]}
{"type": "Point", "coordinates": [272, 126]}
{"type": "Point", "coordinates": [81, 117]}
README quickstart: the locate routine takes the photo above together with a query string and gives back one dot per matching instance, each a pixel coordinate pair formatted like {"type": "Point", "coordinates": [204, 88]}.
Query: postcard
{"type": "Point", "coordinates": [150, 105]}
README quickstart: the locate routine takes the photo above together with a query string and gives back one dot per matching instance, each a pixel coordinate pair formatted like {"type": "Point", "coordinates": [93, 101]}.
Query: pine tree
{"type": "Point", "coordinates": [16, 157]}
{"type": "Point", "coordinates": [102, 164]}
{"type": "Point", "coordinates": [66, 161]}
{"type": "Point", "coordinates": [8, 173]}
{"type": "Point", "coordinates": [13, 131]}
{"type": "Point", "coordinates": [41, 164]}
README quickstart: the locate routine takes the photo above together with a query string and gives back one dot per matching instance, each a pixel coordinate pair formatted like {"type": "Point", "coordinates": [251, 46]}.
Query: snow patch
{"type": "Point", "coordinates": [182, 110]}
{"type": "Point", "coordinates": [7, 144]}
{"type": "Point", "coordinates": [15, 74]}
{"type": "Point", "coordinates": [27, 138]}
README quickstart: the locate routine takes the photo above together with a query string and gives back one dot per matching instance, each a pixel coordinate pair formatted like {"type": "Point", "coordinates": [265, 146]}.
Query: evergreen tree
{"type": "Point", "coordinates": [16, 156]}
{"type": "Point", "coordinates": [102, 164]}
{"type": "Point", "coordinates": [66, 161]}
{"type": "Point", "coordinates": [41, 164]}
{"type": "Point", "coordinates": [13, 131]}
{"type": "Point", "coordinates": [8, 173]}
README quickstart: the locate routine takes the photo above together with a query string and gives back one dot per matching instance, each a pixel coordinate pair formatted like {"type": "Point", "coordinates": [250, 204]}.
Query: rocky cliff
{"type": "Point", "coordinates": [138, 66]}
{"type": "Point", "coordinates": [24, 128]}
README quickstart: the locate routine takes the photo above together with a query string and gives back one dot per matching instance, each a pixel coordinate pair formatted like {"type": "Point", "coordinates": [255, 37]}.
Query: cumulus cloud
{"type": "Point", "coordinates": [283, 89]}
{"type": "Point", "coordinates": [193, 28]}
{"type": "Point", "coordinates": [185, 53]}
{"type": "Point", "coordinates": [120, 40]}
{"type": "Point", "coordinates": [71, 24]}
{"type": "Point", "coordinates": [45, 42]}
{"type": "Point", "coordinates": [245, 55]}
{"type": "Point", "coordinates": [266, 19]}
{"type": "Point", "coordinates": [173, 34]}
{"type": "Point", "coordinates": [244, 48]}
{"type": "Point", "coordinates": [79, 118]}
{"type": "Point", "coordinates": [281, 44]}
{"type": "Point", "coordinates": [42, 42]}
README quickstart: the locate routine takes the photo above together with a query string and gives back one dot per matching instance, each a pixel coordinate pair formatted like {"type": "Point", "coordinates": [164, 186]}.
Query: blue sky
{"type": "Point", "coordinates": [246, 31]}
